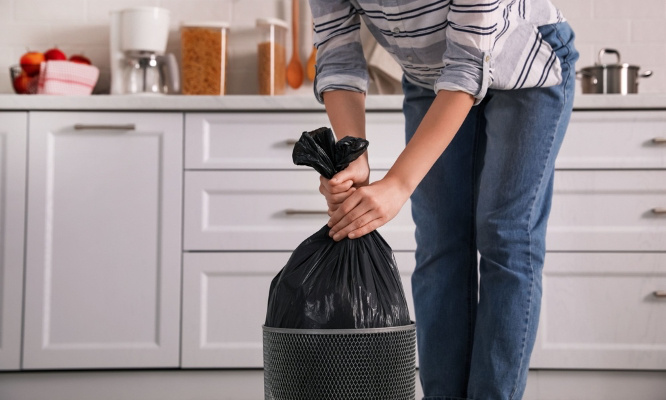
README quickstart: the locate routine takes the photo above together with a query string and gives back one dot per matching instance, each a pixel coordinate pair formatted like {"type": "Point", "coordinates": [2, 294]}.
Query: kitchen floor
{"type": "Point", "coordinates": [248, 385]}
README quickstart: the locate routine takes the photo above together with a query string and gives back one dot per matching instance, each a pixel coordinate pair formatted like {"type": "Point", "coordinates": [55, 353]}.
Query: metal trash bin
{"type": "Point", "coordinates": [340, 364]}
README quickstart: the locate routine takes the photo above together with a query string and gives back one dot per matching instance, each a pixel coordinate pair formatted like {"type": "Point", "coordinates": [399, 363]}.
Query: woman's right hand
{"type": "Point", "coordinates": [337, 189]}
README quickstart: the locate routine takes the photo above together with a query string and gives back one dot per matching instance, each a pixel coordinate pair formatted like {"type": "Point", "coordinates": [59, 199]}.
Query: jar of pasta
{"type": "Point", "coordinates": [272, 56]}
{"type": "Point", "coordinates": [204, 58]}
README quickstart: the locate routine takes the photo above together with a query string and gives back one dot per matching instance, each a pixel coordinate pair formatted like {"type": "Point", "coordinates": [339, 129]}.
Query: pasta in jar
{"type": "Point", "coordinates": [204, 58]}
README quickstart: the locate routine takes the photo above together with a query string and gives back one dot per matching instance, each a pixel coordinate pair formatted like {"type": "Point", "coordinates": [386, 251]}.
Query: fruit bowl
{"type": "Point", "coordinates": [21, 82]}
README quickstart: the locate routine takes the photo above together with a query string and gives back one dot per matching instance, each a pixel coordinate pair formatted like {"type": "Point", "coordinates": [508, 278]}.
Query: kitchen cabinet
{"type": "Point", "coordinates": [606, 262]}
{"type": "Point", "coordinates": [600, 312]}
{"type": "Point", "coordinates": [247, 206]}
{"type": "Point", "coordinates": [224, 306]}
{"type": "Point", "coordinates": [115, 216]}
{"type": "Point", "coordinates": [265, 210]}
{"type": "Point", "coordinates": [103, 257]}
{"type": "Point", "coordinates": [13, 152]}
{"type": "Point", "coordinates": [246, 197]}
{"type": "Point", "coordinates": [111, 211]}
{"type": "Point", "coordinates": [217, 335]}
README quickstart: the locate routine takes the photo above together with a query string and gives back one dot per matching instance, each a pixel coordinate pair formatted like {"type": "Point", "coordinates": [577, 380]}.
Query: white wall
{"type": "Point", "coordinates": [635, 28]}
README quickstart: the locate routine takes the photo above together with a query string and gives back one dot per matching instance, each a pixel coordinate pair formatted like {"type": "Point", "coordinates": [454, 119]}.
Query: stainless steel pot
{"type": "Point", "coordinates": [615, 78]}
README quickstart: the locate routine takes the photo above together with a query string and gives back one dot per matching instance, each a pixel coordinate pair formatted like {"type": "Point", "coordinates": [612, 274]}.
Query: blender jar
{"type": "Point", "coordinates": [204, 58]}
{"type": "Point", "coordinates": [272, 56]}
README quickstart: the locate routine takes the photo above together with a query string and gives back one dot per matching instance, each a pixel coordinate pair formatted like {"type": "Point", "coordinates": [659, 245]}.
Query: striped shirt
{"type": "Point", "coordinates": [466, 45]}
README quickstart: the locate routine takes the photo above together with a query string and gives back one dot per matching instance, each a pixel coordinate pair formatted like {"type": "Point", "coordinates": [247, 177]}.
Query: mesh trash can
{"type": "Point", "coordinates": [340, 364]}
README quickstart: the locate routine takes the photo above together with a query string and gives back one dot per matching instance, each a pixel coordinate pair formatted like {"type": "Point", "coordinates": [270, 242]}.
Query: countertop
{"type": "Point", "coordinates": [272, 103]}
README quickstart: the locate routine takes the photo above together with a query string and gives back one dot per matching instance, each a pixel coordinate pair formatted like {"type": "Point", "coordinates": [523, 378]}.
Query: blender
{"type": "Point", "coordinates": [139, 62]}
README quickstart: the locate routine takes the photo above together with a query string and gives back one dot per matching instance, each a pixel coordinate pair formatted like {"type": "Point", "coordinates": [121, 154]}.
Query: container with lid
{"type": "Point", "coordinates": [272, 56]}
{"type": "Point", "coordinates": [204, 58]}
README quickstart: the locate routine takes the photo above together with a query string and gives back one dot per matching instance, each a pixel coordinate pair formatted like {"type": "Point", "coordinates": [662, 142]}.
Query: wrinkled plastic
{"type": "Point", "coordinates": [350, 284]}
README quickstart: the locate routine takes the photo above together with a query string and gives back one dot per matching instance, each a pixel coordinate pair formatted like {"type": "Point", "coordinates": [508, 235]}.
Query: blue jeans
{"type": "Point", "coordinates": [490, 192]}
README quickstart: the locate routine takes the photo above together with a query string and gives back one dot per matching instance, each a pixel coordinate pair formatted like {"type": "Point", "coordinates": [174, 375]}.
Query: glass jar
{"type": "Point", "coordinates": [204, 58]}
{"type": "Point", "coordinates": [272, 56]}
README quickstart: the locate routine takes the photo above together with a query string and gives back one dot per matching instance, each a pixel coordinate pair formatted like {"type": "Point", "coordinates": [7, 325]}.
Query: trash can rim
{"type": "Point", "coordinates": [409, 327]}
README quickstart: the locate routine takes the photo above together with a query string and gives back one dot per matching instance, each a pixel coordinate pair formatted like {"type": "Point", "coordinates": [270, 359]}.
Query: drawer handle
{"type": "Point", "coordinates": [659, 140]}
{"type": "Point", "coordinates": [659, 210]}
{"type": "Point", "coordinates": [290, 142]}
{"type": "Point", "coordinates": [661, 294]}
{"type": "Point", "coordinates": [121, 127]}
{"type": "Point", "coordinates": [290, 211]}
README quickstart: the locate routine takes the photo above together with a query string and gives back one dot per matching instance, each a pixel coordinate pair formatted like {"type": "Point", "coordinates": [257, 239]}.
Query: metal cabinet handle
{"type": "Point", "coordinates": [120, 127]}
{"type": "Point", "coordinates": [660, 294]}
{"type": "Point", "coordinates": [659, 210]}
{"type": "Point", "coordinates": [290, 211]}
{"type": "Point", "coordinates": [659, 140]}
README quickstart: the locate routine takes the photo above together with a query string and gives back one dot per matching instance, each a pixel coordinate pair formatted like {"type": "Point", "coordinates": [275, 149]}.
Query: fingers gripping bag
{"type": "Point", "coordinates": [350, 284]}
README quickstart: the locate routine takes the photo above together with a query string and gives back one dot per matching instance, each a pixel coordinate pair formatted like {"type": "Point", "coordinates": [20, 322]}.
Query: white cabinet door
{"type": "Point", "coordinates": [602, 311]}
{"type": "Point", "coordinates": [103, 241]}
{"type": "Point", "coordinates": [225, 296]}
{"type": "Point", "coordinates": [13, 137]}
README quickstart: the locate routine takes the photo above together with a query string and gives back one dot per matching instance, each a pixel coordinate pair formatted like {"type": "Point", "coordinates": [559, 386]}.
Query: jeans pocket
{"type": "Point", "coordinates": [561, 39]}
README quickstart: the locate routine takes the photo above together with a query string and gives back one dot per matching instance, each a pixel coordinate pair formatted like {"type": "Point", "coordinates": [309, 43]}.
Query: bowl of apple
{"type": "Point", "coordinates": [21, 81]}
{"type": "Point", "coordinates": [26, 75]}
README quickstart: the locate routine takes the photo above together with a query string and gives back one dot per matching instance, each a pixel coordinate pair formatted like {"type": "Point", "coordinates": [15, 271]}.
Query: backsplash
{"type": "Point", "coordinates": [636, 29]}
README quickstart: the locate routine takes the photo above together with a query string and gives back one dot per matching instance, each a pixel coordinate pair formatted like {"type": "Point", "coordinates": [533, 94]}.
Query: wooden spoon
{"type": "Point", "coordinates": [294, 69]}
{"type": "Point", "coordinates": [310, 66]}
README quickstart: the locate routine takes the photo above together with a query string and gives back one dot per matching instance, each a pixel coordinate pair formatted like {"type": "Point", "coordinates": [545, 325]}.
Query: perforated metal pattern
{"type": "Point", "coordinates": [345, 364]}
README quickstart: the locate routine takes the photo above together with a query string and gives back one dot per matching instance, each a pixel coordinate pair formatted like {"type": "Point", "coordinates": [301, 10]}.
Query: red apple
{"type": "Point", "coordinates": [21, 83]}
{"type": "Point", "coordinates": [54, 54]}
{"type": "Point", "coordinates": [80, 58]}
{"type": "Point", "coordinates": [30, 62]}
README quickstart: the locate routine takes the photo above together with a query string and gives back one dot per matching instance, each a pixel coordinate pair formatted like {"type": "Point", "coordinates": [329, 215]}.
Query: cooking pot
{"type": "Point", "coordinates": [611, 78]}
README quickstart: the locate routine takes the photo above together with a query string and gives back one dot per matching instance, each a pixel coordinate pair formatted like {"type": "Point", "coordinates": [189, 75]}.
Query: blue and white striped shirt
{"type": "Point", "coordinates": [467, 45]}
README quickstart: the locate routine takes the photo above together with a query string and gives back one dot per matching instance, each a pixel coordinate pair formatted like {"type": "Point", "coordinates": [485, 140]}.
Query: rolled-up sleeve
{"type": "Point", "coordinates": [470, 38]}
{"type": "Point", "coordinates": [340, 61]}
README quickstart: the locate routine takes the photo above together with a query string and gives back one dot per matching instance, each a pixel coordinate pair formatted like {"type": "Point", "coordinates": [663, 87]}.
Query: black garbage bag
{"type": "Point", "coordinates": [350, 284]}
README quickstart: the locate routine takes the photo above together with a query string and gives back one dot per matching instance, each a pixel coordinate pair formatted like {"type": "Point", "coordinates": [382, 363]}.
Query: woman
{"type": "Point", "coordinates": [488, 94]}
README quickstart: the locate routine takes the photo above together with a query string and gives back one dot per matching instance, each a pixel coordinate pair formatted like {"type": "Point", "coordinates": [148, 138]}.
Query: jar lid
{"type": "Point", "coordinates": [145, 9]}
{"type": "Point", "coordinates": [206, 24]}
{"type": "Point", "coordinates": [272, 21]}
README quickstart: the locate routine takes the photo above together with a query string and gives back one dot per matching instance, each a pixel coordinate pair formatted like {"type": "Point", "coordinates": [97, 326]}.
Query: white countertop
{"type": "Point", "coordinates": [271, 103]}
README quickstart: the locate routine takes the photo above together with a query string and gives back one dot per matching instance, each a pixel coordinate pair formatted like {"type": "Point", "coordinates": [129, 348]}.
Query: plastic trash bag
{"type": "Point", "coordinates": [350, 284]}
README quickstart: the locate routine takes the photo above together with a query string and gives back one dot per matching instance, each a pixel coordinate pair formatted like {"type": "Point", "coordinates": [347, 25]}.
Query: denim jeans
{"type": "Point", "coordinates": [490, 192]}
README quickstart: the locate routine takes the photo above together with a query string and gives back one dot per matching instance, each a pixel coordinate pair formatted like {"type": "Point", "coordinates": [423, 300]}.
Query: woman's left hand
{"type": "Point", "coordinates": [368, 208]}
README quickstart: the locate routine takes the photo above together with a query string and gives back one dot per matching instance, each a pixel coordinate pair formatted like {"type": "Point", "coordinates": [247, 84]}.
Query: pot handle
{"type": "Point", "coordinates": [645, 74]}
{"type": "Point", "coordinates": [589, 75]}
{"type": "Point", "coordinates": [607, 51]}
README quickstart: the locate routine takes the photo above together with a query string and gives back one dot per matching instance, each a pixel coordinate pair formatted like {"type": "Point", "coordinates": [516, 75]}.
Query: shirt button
{"type": "Point", "coordinates": [487, 58]}
{"type": "Point", "coordinates": [396, 30]}
{"type": "Point", "coordinates": [409, 58]}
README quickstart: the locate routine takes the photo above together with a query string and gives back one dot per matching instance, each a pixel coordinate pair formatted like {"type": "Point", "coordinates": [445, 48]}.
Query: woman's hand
{"type": "Point", "coordinates": [367, 208]}
{"type": "Point", "coordinates": [337, 189]}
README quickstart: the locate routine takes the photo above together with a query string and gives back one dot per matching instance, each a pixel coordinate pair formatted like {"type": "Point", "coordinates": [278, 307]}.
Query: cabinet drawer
{"type": "Point", "coordinates": [265, 210]}
{"type": "Point", "coordinates": [599, 311]}
{"type": "Point", "coordinates": [617, 140]}
{"type": "Point", "coordinates": [608, 211]}
{"type": "Point", "coordinates": [265, 141]}
{"type": "Point", "coordinates": [225, 296]}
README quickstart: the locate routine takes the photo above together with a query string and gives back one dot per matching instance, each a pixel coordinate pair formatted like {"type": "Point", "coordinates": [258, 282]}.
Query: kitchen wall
{"type": "Point", "coordinates": [636, 29]}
